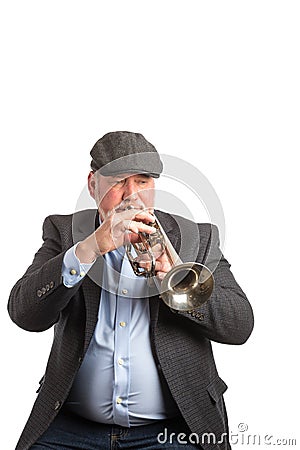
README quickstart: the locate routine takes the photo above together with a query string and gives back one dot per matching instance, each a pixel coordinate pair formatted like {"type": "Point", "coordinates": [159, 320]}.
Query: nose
{"type": "Point", "coordinates": [130, 191]}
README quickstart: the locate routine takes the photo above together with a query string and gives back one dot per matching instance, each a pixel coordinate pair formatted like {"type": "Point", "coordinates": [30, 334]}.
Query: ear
{"type": "Point", "coordinates": [92, 184]}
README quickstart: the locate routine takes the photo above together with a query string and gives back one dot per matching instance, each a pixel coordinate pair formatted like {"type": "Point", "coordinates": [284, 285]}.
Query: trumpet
{"type": "Point", "coordinates": [186, 286]}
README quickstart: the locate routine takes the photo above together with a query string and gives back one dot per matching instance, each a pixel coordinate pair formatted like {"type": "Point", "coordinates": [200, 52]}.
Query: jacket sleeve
{"type": "Point", "coordinates": [227, 316]}
{"type": "Point", "coordinates": [37, 299]}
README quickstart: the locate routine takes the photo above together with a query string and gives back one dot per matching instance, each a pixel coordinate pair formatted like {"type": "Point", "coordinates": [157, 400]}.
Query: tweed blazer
{"type": "Point", "coordinates": [181, 341]}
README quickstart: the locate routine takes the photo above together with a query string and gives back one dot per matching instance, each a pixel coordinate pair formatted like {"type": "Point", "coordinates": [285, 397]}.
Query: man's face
{"type": "Point", "coordinates": [110, 191]}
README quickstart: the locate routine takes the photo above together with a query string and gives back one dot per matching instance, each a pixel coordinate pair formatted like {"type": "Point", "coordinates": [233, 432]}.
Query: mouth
{"type": "Point", "coordinates": [127, 205]}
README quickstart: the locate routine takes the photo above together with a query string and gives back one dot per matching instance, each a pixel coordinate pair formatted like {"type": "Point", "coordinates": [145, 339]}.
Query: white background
{"type": "Point", "coordinates": [215, 83]}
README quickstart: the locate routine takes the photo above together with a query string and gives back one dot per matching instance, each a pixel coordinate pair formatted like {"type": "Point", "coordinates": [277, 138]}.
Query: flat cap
{"type": "Point", "coordinates": [125, 152]}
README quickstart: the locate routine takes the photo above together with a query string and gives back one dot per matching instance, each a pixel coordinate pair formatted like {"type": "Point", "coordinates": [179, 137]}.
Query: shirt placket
{"type": "Point", "coordinates": [121, 354]}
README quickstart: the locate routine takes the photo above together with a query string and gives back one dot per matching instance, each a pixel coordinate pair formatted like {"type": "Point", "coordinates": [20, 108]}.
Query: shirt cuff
{"type": "Point", "coordinates": [72, 269]}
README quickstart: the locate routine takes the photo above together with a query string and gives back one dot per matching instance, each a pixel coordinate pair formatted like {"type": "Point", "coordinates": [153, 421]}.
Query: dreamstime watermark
{"type": "Point", "coordinates": [239, 437]}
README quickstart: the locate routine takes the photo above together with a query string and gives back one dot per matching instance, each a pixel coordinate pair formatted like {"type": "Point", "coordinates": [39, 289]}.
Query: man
{"type": "Point", "coordinates": [125, 370]}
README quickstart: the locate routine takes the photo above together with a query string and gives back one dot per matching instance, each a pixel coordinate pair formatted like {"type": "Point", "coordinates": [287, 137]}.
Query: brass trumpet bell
{"type": "Point", "coordinates": [187, 286]}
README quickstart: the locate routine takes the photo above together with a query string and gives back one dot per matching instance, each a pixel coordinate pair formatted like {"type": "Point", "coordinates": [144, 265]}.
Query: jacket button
{"type": "Point", "coordinates": [47, 287]}
{"type": "Point", "coordinates": [200, 316]}
{"type": "Point", "coordinates": [51, 284]}
{"type": "Point", "coordinates": [43, 290]}
{"type": "Point", "coordinates": [57, 405]}
{"type": "Point", "coordinates": [39, 293]}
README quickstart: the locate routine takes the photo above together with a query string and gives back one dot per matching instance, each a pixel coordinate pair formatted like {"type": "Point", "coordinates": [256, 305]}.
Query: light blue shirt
{"type": "Point", "coordinates": [118, 381]}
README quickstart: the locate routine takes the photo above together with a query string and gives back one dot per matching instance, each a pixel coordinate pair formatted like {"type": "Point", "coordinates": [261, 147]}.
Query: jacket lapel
{"type": "Point", "coordinates": [171, 229]}
{"type": "Point", "coordinates": [91, 292]}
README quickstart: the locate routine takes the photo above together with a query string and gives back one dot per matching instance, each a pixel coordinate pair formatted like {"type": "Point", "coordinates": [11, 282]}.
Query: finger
{"type": "Point", "coordinates": [144, 216]}
{"type": "Point", "coordinates": [135, 214]}
{"type": "Point", "coordinates": [138, 227]}
{"type": "Point", "coordinates": [131, 238]}
{"type": "Point", "coordinates": [163, 266]}
{"type": "Point", "coordinates": [160, 275]}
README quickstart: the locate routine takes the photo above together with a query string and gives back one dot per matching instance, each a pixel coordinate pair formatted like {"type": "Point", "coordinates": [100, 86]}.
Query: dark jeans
{"type": "Point", "coordinates": [69, 431]}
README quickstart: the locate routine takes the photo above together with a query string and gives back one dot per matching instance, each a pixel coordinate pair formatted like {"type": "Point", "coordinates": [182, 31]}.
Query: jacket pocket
{"type": "Point", "coordinates": [216, 389]}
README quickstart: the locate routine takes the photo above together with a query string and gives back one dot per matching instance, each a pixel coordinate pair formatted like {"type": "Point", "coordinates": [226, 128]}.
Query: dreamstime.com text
{"type": "Point", "coordinates": [240, 437]}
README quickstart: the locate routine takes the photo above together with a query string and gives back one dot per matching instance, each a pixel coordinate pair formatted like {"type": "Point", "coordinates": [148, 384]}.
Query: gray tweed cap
{"type": "Point", "coordinates": [125, 152]}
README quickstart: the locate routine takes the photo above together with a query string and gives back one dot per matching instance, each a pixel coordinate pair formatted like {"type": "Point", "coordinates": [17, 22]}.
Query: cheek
{"type": "Point", "coordinates": [110, 200]}
{"type": "Point", "coordinates": [147, 196]}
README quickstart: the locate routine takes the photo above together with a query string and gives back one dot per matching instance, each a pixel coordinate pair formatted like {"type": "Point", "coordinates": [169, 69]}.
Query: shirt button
{"type": "Point", "coordinates": [82, 274]}
{"type": "Point", "coordinates": [124, 291]}
{"type": "Point", "coordinates": [73, 272]}
{"type": "Point", "coordinates": [119, 400]}
{"type": "Point", "coordinates": [120, 361]}
{"type": "Point", "coordinates": [123, 324]}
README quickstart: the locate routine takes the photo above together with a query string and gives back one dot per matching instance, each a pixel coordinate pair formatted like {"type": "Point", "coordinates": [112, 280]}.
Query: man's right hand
{"type": "Point", "coordinates": [117, 229]}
